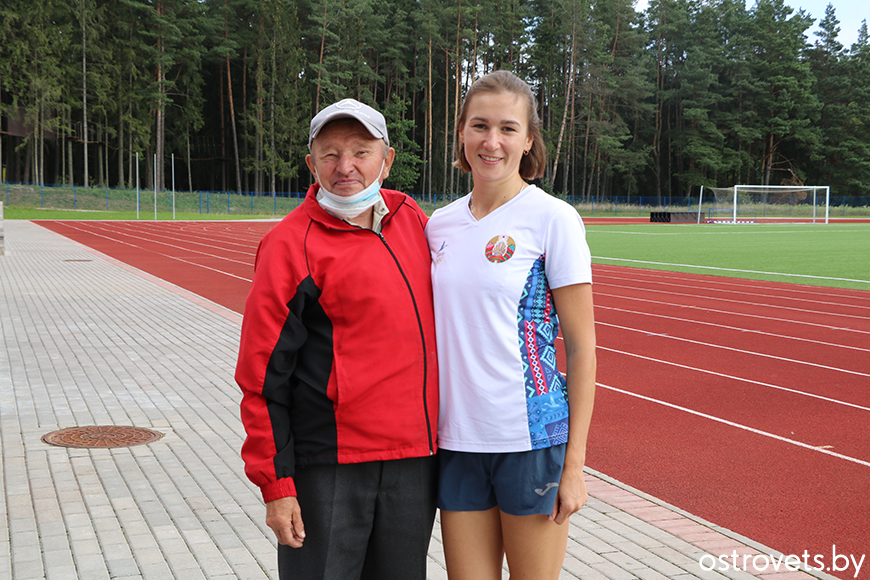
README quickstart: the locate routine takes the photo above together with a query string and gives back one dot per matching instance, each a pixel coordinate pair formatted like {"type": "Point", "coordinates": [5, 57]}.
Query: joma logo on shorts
{"type": "Point", "coordinates": [550, 486]}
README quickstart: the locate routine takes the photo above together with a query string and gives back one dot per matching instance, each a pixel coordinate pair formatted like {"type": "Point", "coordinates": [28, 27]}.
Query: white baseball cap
{"type": "Point", "coordinates": [350, 109]}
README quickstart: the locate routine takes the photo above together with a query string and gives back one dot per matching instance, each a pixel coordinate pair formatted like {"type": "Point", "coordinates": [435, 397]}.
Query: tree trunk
{"type": "Point", "coordinates": [320, 62]}
{"type": "Point", "coordinates": [568, 98]}
{"type": "Point", "coordinates": [245, 129]}
{"type": "Point", "coordinates": [40, 154]}
{"type": "Point", "coordinates": [233, 124]}
{"type": "Point", "coordinates": [274, 155]}
{"type": "Point", "coordinates": [223, 134]}
{"type": "Point", "coordinates": [121, 180]}
{"type": "Point", "coordinates": [160, 135]}
{"type": "Point", "coordinates": [453, 171]}
{"type": "Point", "coordinates": [100, 156]}
{"type": "Point", "coordinates": [586, 177]}
{"type": "Point", "coordinates": [130, 154]}
{"type": "Point", "coordinates": [189, 168]}
{"type": "Point", "coordinates": [2, 171]}
{"type": "Point", "coordinates": [258, 144]}
{"type": "Point", "coordinates": [569, 156]}
{"type": "Point", "coordinates": [69, 152]}
{"type": "Point", "coordinates": [446, 133]}
{"type": "Point", "coordinates": [62, 134]}
{"type": "Point", "coordinates": [657, 136]}
{"type": "Point", "coordinates": [84, 96]}
{"type": "Point", "coordinates": [429, 119]}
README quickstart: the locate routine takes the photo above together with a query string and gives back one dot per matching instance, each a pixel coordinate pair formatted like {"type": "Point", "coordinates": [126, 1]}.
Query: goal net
{"type": "Point", "coordinates": [747, 203]}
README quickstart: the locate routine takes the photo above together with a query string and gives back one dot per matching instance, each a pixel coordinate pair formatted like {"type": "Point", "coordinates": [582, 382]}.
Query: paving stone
{"type": "Point", "coordinates": [97, 342]}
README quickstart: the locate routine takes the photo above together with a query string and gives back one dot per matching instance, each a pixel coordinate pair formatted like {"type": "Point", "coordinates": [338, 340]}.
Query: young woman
{"type": "Point", "coordinates": [507, 258]}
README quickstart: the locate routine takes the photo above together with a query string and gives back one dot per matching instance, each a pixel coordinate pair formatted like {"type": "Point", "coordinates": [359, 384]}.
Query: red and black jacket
{"type": "Point", "coordinates": [337, 360]}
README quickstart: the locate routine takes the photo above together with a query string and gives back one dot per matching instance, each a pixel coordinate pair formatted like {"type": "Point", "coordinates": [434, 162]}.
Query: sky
{"type": "Point", "coordinates": [850, 13]}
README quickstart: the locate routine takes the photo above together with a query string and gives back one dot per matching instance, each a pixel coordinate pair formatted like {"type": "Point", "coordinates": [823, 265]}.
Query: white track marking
{"type": "Point", "coordinates": [227, 236]}
{"type": "Point", "coordinates": [739, 379]}
{"type": "Point", "coordinates": [741, 351]}
{"type": "Point", "coordinates": [717, 282]}
{"type": "Point", "coordinates": [807, 276]}
{"type": "Point", "coordinates": [732, 313]}
{"type": "Point", "coordinates": [158, 242]}
{"type": "Point", "coordinates": [735, 328]}
{"type": "Point", "coordinates": [739, 426]}
{"type": "Point", "coordinates": [756, 304]}
{"type": "Point", "coordinates": [168, 256]}
{"type": "Point", "coordinates": [723, 290]}
{"type": "Point", "coordinates": [749, 229]}
{"type": "Point", "coordinates": [160, 237]}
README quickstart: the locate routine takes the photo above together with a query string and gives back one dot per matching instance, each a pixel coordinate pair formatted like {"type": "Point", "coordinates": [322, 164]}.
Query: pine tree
{"type": "Point", "coordinates": [832, 87]}
{"type": "Point", "coordinates": [404, 173]}
{"type": "Point", "coordinates": [701, 101]}
{"type": "Point", "coordinates": [35, 42]}
{"type": "Point", "coordinates": [853, 168]}
{"type": "Point", "coordinates": [279, 117]}
{"type": "Point", "coordinates": [620, 93]}
{"type": "Point", "coordinates": [787, 107]}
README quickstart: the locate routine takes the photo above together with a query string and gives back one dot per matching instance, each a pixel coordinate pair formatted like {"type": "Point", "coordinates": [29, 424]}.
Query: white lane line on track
{"type": "Point", "coordinates": [167, 255]}
{"type": "Point", "coordinates": [719, 282]}
{"type": "Point", "coordinates": [157, 237]}
{"type": "Point", "coordinates": [739, 379]}
{"type": "Point", "coordinates": [741, 351]}
{"type": "Point", "coordinates": [225, 237]}
{"type": "Point", "coordinates": [811, 228]}
{"type": "Point", "coordinates": [735, 328]}
{"type": "Point", "coordinates": [158, 242]}
{"type": "Point", "coordinates": [807, 276]}
{"type": "Point", "coordinates": [717, 299]}
{"type": "Point", "coordinates": [755, 295]}
{"type": "Point", "coordinates": [732, 313]}
{"type": "Point", "coordinates": [739, 426]}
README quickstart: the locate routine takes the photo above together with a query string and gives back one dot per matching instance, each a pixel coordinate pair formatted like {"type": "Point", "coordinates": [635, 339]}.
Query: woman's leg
{"type": "Point", "coordinates": [473, 546]}
{"type": "Point", "coordinates": [534, 546]}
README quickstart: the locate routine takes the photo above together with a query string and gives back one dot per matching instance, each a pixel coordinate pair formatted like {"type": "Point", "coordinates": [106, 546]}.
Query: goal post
{"type": "Point", "coordinates": [744, 203]}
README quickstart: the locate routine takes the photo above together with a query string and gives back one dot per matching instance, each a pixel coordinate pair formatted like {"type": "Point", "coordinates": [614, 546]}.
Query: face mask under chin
{"type": "Point", "coordinates": [350, 206]}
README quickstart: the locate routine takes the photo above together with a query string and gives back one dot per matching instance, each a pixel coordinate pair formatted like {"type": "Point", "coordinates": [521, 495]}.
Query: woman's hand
{"type": "Point", "coordinates": [576, 317]}
{"type": "Point", "coordinates": [572, 495]}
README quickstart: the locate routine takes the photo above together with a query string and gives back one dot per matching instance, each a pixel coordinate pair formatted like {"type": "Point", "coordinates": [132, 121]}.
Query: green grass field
{"type": "Point", "coordinates": [116, 203]}
{"type": "Point", "coordinates": [30, 213]}
{"type": "Point", "coordinates": [836, 255]}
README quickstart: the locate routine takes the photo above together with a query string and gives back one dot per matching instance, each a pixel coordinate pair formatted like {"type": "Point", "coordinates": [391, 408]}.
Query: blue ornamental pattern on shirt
{"type": "Point", "coordinates": [545, 389]}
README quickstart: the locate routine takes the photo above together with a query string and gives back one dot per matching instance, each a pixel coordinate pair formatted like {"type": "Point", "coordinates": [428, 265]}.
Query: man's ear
{"type": "Point", "coordinates": [310, 163]}
{"type": "Point", "coordinates": [388, 163]}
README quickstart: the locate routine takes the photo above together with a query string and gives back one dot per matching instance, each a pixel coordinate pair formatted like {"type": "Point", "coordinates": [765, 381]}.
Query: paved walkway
{"type": "Point", "coordinates": [86, 340]}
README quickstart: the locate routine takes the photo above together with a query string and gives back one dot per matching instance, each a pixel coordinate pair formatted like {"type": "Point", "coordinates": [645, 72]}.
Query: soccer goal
{"type": "Point", "coordinates": [748, 203]}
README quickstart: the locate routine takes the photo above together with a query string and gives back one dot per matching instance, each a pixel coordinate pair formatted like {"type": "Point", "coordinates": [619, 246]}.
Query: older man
{"type": "Point", "coordinates": [338, 369]}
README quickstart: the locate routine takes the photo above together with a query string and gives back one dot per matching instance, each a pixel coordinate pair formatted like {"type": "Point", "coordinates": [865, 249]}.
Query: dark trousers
{"type": "Point", "coordinates": [370, 521]}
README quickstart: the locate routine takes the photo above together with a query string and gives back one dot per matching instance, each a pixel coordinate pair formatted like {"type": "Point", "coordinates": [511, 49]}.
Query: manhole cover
{"type": "Point", "coordinates": [101, 436]}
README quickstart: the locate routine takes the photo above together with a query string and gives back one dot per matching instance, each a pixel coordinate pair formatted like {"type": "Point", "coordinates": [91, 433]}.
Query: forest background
{"type": "Point", "coordinates": [653, 103]}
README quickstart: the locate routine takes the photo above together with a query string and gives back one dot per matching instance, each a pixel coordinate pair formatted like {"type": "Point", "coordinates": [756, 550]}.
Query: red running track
{"type": "Point", "coordinates": [745, 403]}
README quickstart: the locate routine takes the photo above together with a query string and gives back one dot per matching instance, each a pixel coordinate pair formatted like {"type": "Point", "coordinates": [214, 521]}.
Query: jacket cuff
{"type": "Point", "coordinates": [284, 487]}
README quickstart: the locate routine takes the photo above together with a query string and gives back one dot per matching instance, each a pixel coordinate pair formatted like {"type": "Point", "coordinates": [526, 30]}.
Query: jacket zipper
{"type": "Point", "coordinates": [422, 340]}
{"type": "Point", "coordinates": [419, 321]}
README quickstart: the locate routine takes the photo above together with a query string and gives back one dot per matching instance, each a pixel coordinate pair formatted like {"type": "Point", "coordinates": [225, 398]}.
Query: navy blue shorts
{"type": "Point", "coordinates": [520, 484]}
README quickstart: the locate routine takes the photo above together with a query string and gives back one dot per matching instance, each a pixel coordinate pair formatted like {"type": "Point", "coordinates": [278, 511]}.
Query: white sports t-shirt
{"type": "Point", "coordinates": [496, 326]}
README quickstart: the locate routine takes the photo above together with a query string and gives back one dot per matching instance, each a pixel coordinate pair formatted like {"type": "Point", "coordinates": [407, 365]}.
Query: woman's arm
{"type": "Point", "coordinates": [576, 318]}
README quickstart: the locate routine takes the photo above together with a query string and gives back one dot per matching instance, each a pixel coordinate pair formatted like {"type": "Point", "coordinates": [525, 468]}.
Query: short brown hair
{"type": "Point", "coordinates": [532, 166]}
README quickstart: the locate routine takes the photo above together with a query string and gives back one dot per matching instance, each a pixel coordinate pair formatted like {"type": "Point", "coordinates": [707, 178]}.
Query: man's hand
{"type": "Point", "coordinates": [285, 518]}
